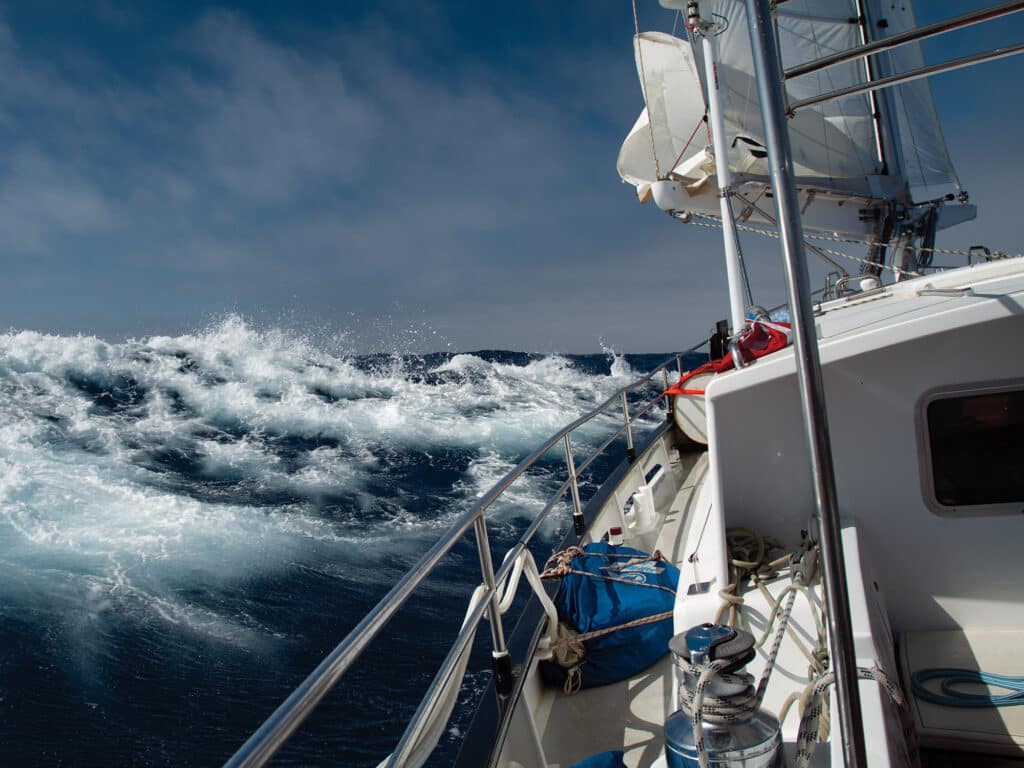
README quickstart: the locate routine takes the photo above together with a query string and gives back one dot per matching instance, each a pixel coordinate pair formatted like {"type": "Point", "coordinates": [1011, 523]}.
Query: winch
{"type": "Point", "coordinates": [719, 722]}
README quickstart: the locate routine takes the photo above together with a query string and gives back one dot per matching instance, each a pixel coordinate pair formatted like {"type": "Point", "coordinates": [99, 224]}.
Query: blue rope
{"type": "Point", "coordinates": [951, 697]}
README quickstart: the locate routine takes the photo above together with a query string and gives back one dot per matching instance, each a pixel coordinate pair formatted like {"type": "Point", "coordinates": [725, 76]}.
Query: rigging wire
{"type": "Point", "coordinates": [827, 74]}
{"type": "Point", "coordinates": [710, 222]}
{"type": "Point", "coordinates": [704, 119]}
{"type": "Point", "coordinates": [814, 249]}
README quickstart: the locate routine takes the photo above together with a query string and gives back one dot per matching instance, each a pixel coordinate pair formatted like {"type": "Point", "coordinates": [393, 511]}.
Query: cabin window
{"type": "Point", "coordinates": [976, 451]}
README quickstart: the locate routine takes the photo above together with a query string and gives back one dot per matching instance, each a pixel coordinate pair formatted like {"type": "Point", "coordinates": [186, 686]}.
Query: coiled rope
{"type": "Point", "coordinates": [952, 697]}
{"type": "Point", "coordinates": [718, 710]}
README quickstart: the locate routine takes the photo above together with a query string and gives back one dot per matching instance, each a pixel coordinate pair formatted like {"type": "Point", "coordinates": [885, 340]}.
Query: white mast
{"type": "Point", "coordinates": [734, 273]}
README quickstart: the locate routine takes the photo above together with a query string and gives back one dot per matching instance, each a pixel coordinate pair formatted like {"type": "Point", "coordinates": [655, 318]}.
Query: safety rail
{"type": "Point", "coordinates": [283, 722]}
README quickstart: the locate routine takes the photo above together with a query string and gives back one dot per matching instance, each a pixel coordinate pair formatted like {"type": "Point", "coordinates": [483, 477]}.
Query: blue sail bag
{"type": "Point", "coordinates": [617, 601]}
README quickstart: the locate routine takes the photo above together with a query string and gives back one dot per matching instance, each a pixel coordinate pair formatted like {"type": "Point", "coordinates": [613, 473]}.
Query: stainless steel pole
{"type": "Point", "coordinates": [500, 658]}
{"type": "Point", "coordinates": [578, 523]}
{"type": "Point", "coordinates": [812, 395]}
{"type": "Point", "coordinates": [906, 77]}
{"type": "Point", "coordinates": [913, 35]}
{"type": "Point", "coordinates": [733, 269]}
{"type": "Point", "coordinates": [630, 450]}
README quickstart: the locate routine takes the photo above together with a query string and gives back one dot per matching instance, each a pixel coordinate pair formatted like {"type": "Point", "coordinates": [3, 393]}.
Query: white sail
{"type": "Point", "coordinates": [675, 110]}
{"type": "Point", "coordinates": [671, 130]}
{"type": "Point", "coordinates": [836, 145]}
{"type": "Point", "coordinates": [670, 141]}
{"type": "Point", "coordinates": [924, 159]}
{"type": "Point", "coordinates": [832, 142]}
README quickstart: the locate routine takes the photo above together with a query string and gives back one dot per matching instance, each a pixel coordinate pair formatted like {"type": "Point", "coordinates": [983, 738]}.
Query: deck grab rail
{"type": "Point", "coordinates": [290, 714]}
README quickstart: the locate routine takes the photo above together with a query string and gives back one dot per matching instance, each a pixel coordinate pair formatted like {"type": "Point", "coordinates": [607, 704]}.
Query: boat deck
{"type": "Point", "coordinates": [628, 715]}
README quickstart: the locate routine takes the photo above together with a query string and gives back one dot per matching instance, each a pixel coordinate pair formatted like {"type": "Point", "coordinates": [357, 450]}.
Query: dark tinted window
{"type": "Point", "coordinates": [977, 447]}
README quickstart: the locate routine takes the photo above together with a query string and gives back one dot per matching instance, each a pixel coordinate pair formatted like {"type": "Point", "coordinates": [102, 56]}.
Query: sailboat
{"type": "Point", "coordinates": [829, 517]}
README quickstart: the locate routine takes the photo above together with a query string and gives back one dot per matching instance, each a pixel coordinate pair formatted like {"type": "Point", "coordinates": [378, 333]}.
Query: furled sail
{"type": "Point", "coordinates": [842, 155]}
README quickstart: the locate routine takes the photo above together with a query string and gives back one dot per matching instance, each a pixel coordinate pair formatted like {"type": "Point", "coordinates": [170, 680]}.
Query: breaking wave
{"type": "Point", "coordinates": [221, 492]}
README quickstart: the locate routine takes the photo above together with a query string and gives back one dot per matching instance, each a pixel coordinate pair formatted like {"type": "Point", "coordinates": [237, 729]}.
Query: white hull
{"type": "Point", "coordinates": [920, 580]}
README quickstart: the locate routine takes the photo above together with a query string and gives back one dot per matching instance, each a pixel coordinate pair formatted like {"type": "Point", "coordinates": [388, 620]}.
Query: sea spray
{"type": "Point", "coordinates": [187, 524]}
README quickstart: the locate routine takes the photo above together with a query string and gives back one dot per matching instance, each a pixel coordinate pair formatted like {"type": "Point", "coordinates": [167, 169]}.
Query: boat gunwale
{"type": "Point", "coordinates": [281, 724]}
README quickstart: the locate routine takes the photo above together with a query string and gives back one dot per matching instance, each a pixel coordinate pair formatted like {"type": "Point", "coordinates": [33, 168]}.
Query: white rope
{"type": "Point", "coordinates": [525, 565]}
{"type": "Point", "coordinates": [717, 710]}
{"type": "Point", "coordinates": [749, 559]}
{"type": "Point", "coordinates": [808, 733]}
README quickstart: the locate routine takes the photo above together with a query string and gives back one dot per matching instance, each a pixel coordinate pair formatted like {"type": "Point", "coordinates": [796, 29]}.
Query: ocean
{"type": "Point", "coordinates": [189, 524]}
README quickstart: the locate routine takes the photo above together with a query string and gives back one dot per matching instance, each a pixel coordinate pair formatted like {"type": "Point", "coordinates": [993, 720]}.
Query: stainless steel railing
{"type": "Point", "coordinates": [283, 722]}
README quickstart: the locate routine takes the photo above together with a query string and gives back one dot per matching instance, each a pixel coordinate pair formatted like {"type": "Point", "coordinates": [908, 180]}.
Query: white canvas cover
{"type": "Point", "coordinates": [836, 147]}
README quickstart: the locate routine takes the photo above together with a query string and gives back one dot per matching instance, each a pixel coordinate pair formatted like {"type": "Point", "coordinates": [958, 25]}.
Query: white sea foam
{"type": "Point", "coordinates": [133, 468]}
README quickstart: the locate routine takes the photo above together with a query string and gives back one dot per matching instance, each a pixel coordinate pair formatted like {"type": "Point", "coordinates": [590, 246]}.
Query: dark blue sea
{"type": "Point", "coordinates": [189, 524]}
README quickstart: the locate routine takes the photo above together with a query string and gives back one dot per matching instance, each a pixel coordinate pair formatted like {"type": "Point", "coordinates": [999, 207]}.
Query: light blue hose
{"type": "Point", "coordinates": [951, 697]}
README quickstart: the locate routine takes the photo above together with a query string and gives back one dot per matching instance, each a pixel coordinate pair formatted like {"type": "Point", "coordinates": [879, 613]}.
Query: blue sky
{"type": "Point", "coordinates": [412, 175]}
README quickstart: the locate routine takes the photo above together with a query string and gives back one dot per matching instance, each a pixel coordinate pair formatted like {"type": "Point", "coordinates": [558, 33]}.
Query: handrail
{"type": "Point", "coordinates": [289, 715]}
{"type": "Point", "coordinates": [906, 77]}
{"type": "Point", "coordinates": [910, 36]}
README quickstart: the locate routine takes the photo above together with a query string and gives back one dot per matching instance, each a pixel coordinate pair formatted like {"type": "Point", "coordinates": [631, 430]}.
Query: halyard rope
{"type": "Point", "coordinates": [749, 560]}
{"type": "Point", "coordinates": [718, 710]}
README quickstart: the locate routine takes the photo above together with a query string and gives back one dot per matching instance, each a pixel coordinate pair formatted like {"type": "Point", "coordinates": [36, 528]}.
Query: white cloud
{"type": "Point", "coordinates": [272, 120]}
{"type": "Point", "coordinates": [346, 174]}
{"type": "Point", "coordinates": [40, 199]}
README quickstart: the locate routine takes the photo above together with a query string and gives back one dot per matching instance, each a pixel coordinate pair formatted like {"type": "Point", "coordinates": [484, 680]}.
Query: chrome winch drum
{"type": "Point", "coordinates": [752, 740]}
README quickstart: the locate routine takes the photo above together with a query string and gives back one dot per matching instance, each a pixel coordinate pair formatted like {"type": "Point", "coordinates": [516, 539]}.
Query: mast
{"type": "Point", "coordinates": [883, 114]}
{"type": "Point", "coordinates": [808, 366]}
{"type": "Point", "coordinates": [733, 268]}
